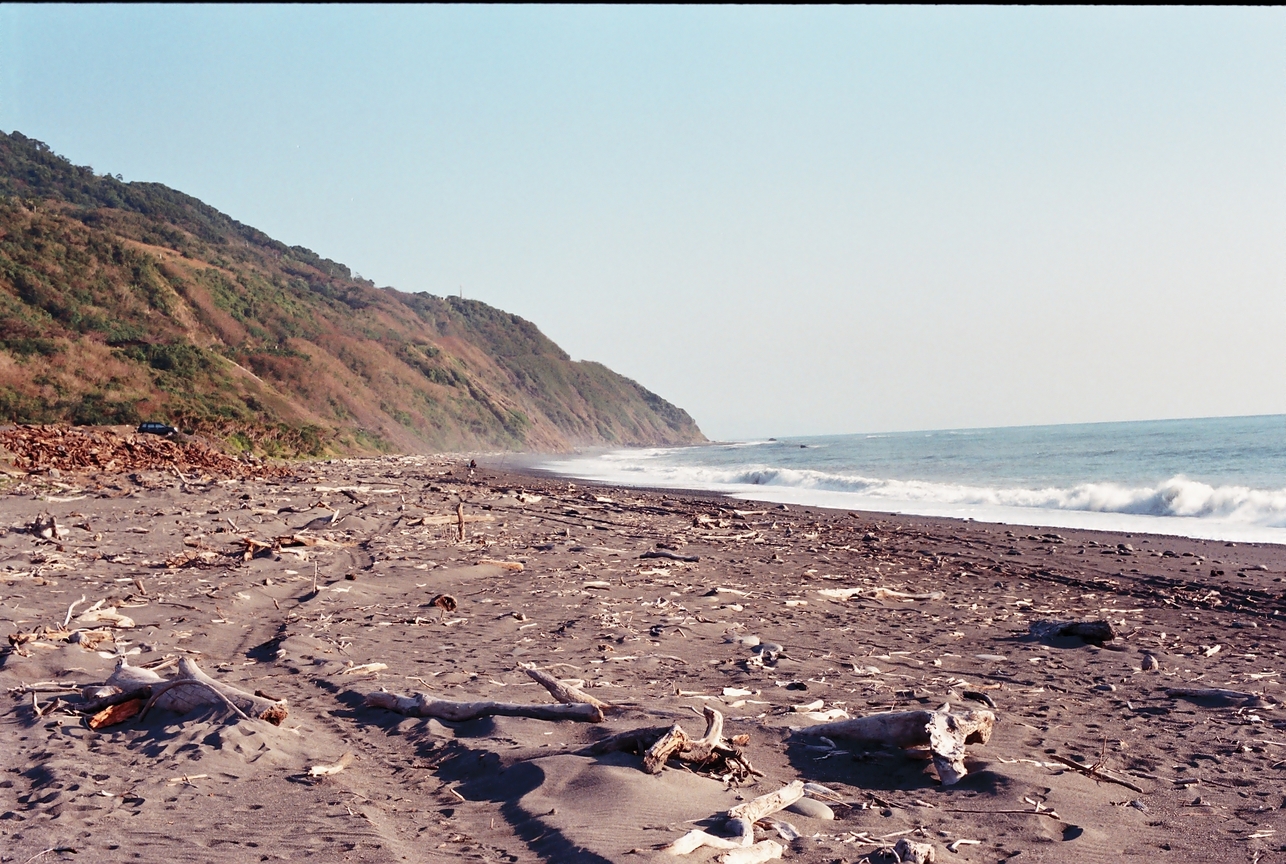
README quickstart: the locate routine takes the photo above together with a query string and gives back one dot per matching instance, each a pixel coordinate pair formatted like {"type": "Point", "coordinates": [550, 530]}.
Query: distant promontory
{"type": "Point", "coordinates": [122, 302]}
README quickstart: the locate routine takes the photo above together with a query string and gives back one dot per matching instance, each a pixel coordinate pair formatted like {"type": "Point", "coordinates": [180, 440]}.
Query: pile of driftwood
{"type": "Point", "coordinates": [66, 448]}
{"type": "Point", "coordinates": [711, 754]}
{"type": "Point", "coordinates": [134, 691]}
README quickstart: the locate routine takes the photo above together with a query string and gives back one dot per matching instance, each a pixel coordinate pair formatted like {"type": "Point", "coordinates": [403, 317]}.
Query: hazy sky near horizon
{"type": "Point", "coordinates": [787, 221]}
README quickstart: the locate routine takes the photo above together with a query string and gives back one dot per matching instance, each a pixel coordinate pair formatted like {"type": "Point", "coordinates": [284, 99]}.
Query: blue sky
{"type": "Point", "coordinates": [788, 221]}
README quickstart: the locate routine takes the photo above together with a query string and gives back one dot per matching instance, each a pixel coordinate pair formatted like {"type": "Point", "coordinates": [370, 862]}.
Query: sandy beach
{"type": "Point", "coordinates": [417, 575]}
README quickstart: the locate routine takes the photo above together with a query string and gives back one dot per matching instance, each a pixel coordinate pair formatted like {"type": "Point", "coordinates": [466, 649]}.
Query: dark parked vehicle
{"type": "Point", "coordinates": [150, 428]}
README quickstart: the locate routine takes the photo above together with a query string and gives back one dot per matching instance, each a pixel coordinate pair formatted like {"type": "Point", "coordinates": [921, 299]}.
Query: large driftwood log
{"type": "Point", "coordinates": [945, 734]}
{"type": "Point", "coordinates": [424, 705]}
{"type": "Point", "coordinates": [564, 693]}
{"type": "Point", "coordinates": [1217, 695]}
{"type": "Point", "coordinates": [190, 689]}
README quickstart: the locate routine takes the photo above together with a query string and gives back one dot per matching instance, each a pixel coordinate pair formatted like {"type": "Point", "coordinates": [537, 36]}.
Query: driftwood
{"type": "Point", "coordinates": [945, 733]}
{"type": "Point", "coordinates": [424, 705]}
{"type": "Point", "coordinates": [191, 689]}
{"type": "Point", "coordinates": [915, 853]}
{"type": "Point", "coordinates": [742, 848]}
{"type": "Point", "coordinates": [564, 693]}
{"type": "Point", "coordinates": [876, 594]}
{"type": "Point", "coordinates": [113, 714]}
{"type": "Point", "coordinates": [100, 698]}
{"type": "Point", "coordinates": [160, 690]}
{"type": "Point", "coordinates": [766, 805]}
{"type": "Point", "coordinates": [1094, 632]}
{"type": "Point", "coordinates": [666, 746]}
{"type": "Point", "coordinates": [632, 741]}
{"type": "Point", "coordinates": [1095, 772]}
{"type": "Point", "coordinates": [764, 850]}
{"type": "Point", "coordinates": [1216, 695]}
{"type": "Point", "coordinates": [329, 770]}
{"type": "Point", "coordinates": [46, 527]}
{"type": "Point", "coordinates": [670, 556]}
{"type": "Point", "coordinates": [711, 753]}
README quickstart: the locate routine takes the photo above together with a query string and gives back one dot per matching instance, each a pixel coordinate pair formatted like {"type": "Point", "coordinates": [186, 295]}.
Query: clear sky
{"type": "Point", "coordinates": [788, 221]}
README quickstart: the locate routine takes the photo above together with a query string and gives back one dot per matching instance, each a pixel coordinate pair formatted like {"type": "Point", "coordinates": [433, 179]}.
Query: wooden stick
{"type": "Point", "coordinates": [117, 713]}
{"type": "Point", "coordinates": [135, 681]}
{"type": "Point", "coordinates": [900, 728]}
{"type": "Point", "coordinates": [564, 693]}
{"type": "Point", "coordinates": [766, 805]}
{"type": "Point", "coordinates": [1094, 773]}
{"type": "Point", "coordinates": [67, 620]}
{"type": "Point", "coordinates": [423, 705]}
{"type": "Point", "coordinates": [1050, 813]}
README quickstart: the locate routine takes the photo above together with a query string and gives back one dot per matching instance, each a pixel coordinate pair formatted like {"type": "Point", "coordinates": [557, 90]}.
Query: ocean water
{"type": "Point", "coordinates": [1215, 478]}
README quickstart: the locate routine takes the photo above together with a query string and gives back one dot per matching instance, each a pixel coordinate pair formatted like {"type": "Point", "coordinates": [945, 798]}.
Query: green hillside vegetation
{"type": "Point", "coordinates": [121, 302]}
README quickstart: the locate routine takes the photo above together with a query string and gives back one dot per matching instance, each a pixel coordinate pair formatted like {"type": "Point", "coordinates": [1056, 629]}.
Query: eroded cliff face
{"type": "Point", "coordinates": [128, 301]}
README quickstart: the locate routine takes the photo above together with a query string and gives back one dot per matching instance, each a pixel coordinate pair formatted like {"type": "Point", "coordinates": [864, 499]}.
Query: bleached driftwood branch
{"type": "Point", "coordinates": [564, 693]}
{"type": "Point", "coordinates": [424, 705]}
{"type": "Point", "coordinates": [741, 847]}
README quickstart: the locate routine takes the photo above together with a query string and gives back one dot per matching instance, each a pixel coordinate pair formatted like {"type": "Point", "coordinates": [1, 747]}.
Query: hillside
{"type": "Point", "coordinates": [121, 302]}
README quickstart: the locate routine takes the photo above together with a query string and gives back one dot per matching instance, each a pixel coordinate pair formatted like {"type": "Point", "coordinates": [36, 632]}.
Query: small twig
{"type": "Point", "coordinates": [44, 852]}
{"type": "Point", "coordinates": [67, 620]}
{"type": "Point", "coordinates": [1050, 813]}
{"type": "Point", "coordinates": [1095, 773]}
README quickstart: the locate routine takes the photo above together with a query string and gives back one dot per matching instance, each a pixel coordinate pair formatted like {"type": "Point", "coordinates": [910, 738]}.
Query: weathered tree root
{"type": "Point", "coordinates": [945, 733]}
{"type": "Point", "coordinates": [424, 705]}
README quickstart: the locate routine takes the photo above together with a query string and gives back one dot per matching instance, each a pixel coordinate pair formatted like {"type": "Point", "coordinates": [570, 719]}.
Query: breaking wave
{"type": "Point", "coordinates": [1176, 497]}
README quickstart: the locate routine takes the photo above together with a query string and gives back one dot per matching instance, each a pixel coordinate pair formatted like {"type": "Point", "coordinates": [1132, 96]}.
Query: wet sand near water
{"type": "Point", "coordinates": [778, 610]}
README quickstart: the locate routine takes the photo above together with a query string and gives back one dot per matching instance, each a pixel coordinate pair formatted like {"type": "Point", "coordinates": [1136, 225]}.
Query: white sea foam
{"type": "Point", "coordinates": [1177, 506]}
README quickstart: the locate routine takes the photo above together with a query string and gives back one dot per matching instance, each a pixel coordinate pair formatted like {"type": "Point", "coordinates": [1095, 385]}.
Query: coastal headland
{"type": "Point", "coordinates": [1156, 734]}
